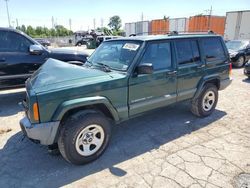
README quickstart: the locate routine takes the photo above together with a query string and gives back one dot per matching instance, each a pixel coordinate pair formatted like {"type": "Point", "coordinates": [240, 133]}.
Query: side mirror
{"type": "Point", "coordinates": [145, 68]}
{"type": "Point", "coordinates": [36, 49]}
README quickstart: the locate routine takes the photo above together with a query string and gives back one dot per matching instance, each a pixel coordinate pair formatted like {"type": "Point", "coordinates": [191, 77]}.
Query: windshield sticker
{"type": "Point", "coordinates": [131, 46]}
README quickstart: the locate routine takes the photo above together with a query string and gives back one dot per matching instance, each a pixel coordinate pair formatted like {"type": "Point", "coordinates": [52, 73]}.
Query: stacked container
{"type": "Point", "coordinates": [237, 25]}
{"type": "Point", "coordinates": [129, 29]}
{"type": "Point", "coordinates": [178, 24]}
{"type": "Point", "coordinates": [205, 23]}
{"type": "Point", "coordinates": [160, 26]}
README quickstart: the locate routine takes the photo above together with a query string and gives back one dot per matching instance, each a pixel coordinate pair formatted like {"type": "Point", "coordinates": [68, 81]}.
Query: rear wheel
{"type": "Point", "coordinates": [205, 104]}
{"type": "Point", "coordinates": [84, 137]}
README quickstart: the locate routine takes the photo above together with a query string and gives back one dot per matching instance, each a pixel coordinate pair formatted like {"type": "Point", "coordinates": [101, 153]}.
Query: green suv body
{"type": "Point", "coordinates": [75, 106]}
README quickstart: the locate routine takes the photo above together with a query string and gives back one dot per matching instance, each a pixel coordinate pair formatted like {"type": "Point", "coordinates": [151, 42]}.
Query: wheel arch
{"type": "Point", "coordinates": [214, 79]}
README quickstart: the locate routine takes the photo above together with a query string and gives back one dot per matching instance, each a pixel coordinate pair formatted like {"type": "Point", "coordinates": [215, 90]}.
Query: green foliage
{"type": "Point", "coordinates": [40, 32]}
{"type": "Point", "coordinates": [115, 23]}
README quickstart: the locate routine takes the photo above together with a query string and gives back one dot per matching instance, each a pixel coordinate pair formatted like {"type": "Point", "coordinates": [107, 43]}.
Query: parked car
{"type": "Point", "coordinates": [43, 42]}
{"type": "Point", "coordinates": [84, 40]}
{"type": "Point", "coordinates": [20, 56]}
{"type": "Point", "coordinates": [239, 51]}
{"type": "Point", "coordinates": [247, 69]}
{"type": "Point", "coordinates": [76, 106]}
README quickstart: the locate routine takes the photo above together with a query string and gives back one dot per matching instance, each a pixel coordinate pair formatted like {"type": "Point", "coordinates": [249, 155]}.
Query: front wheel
{"type": "Point", "coordinates": [205, 104]}
{"type": "Point", "coordinates": [84, 137]}
{"type": "Point", "coordinates": [240, 62]}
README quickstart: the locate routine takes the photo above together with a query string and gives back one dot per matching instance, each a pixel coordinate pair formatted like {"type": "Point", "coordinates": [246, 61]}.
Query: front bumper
{"type": "Point", "coordinates": [225, 83]}
{"type": "Point", "coordinates": [44, 133]}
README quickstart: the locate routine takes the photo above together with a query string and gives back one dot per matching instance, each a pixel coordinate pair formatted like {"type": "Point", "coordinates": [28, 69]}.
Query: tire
{"type": "Point", "coordinates": [240, 62]}
{"type": "Point", "coordinates": [205, 104]}
{"type": "Point", "coordinates": [84, 137]}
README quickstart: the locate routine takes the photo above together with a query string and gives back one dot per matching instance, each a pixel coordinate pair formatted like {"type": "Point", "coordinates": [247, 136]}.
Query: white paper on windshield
{"type": "Point", "coordinates": [131, 46]}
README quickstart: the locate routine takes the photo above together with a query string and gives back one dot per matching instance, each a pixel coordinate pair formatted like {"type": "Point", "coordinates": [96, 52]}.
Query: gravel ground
{"type": "Point", "coordinates": [166, 148]}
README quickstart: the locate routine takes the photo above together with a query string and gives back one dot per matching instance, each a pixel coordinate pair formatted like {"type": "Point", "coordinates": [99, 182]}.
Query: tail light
{"type": "Point", "coordinates": [230, 70]}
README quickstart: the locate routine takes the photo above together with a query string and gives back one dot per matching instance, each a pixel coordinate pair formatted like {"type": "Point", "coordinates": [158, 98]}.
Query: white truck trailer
{"type": "Point", "coordinates": [237, 25]}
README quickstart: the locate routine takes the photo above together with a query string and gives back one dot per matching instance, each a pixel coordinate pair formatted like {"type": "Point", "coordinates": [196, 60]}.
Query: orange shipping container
{"type": "Point", "coordinates": [205, 23]}
{"type": "Point", "coordinates": [159, 26]}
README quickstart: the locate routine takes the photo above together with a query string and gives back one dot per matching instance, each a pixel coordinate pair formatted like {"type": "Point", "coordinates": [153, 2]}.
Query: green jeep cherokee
{"type": "Point", "coordinates": [75, 106]}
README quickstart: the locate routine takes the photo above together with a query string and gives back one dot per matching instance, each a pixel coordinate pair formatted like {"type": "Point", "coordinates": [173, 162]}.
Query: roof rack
{"type": "Point", "coordinates": [173, 33]}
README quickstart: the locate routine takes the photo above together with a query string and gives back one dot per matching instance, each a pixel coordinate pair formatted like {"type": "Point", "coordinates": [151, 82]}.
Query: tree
{"type": "Point", "coordinates": [115, 23]}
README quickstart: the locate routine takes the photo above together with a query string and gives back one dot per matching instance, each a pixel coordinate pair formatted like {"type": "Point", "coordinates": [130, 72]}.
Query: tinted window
{"type": "Point", "coordinates": [159, 54]}
{"type": "Point", "coordinates": [213, 49]}
{"type": "Point", "coordinates": [13, 42]}
{"type": "Point", "coordinates": [187, 51]}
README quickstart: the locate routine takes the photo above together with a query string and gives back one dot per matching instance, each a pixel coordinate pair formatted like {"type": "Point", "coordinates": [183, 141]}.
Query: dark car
{"type": "Point", "coordinates": [84, 40]}
{"type": "Point", "coordinates": [43, 42]}
{"type": "Point", "coordinates": [239, 51]}
{"type": "Point", "coordinates": [20, 56]}
{"type": "Point", "coordinates": [247, 69]}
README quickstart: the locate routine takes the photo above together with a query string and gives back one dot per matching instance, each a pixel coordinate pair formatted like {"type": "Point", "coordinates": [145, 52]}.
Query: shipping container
{"type": "Point", "coordinates": [142, 28]}
{"type": "Point", "coordinates": [237, 25]}
{"type": "Point", "coordinates": [205, 23]}
{"type": "Point", "coordinates": [178, 24]}
{"type": "Point", "coordinates": [130, 29]}
{"type": "Point", "coordinates": [160, 26]}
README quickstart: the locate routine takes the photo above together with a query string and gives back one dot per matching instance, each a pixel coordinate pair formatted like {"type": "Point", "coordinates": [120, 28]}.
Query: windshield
{"type": "Point", "coordinates": [236, 45]}
{"type": "Point", "coordinates": [117, 55]}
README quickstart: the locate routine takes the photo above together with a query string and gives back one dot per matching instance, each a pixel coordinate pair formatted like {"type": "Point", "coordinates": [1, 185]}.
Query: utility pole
{"type": "Point", "coordinates": [7, 8]}
{"type": "Point", "coordinates": [210, 14]}
{"type": "Point", "coordinates": [17, 22]}
{"type": "Point", "coordinates": [94, 23]}
{"type": "Point", "coordinates": [142, 16]}
{"type": "Point", "coordinates": [70, 24]}
{"type": "Point", "coordinates": [102, 22]}
{"type": "Point", "coordinates": [52, 21]}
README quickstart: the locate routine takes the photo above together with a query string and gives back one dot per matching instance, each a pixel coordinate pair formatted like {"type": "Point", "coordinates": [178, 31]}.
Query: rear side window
{"type": "Point", "coordinates": [187, 51]}
{"type": "Point", "coordinates": [213, 49]}
{"type": "Point", "coordinates": [159, 54]}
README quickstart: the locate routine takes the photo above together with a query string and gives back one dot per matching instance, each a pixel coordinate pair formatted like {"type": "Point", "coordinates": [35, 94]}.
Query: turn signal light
{"type": "Point", "coordinates": [35, 112]}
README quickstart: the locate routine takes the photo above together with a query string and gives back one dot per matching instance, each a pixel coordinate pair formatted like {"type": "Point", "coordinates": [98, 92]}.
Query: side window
{"type": "Point", "coordinates": [187, 51]}
{"type": "Point", "coordinates": [213, 49]}
{"type": "Point", "coordinates": [17, 43]}
{"type": "Point", "coordinates": [159, 54]}
{"type": "Point", "coordinates": [3, 41]}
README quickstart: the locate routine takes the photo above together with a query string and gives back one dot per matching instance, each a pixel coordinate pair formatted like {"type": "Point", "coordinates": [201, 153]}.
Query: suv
{"type": "Point", "coordinates": [75, 106]}
{"type": "Point", "coordinates": [21, 55]}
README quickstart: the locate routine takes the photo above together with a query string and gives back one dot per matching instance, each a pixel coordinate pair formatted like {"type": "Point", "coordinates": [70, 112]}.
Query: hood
{"type": "Point", "coordinates": [55, 74]}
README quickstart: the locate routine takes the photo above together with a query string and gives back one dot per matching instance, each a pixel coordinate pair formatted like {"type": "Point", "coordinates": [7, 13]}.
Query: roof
{"type": "Point", "coordinates": [163, 37]}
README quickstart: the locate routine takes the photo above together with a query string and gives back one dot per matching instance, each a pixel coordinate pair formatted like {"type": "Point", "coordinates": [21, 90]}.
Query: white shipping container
{"type": "Point", "coordinates": [142, 28]}
{"type": "Point", "coordinates": [178, 24]}
{"type": "Point", "coordinates": [129, 29]}
{"type": "Point", "coordinates": [237, 25]}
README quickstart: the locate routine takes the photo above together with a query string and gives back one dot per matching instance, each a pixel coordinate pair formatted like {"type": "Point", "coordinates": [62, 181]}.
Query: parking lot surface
{"type": "Point", "coordinates": [166, 148]}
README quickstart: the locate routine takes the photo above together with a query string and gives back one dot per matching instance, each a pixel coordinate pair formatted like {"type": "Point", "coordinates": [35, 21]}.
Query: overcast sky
{"type": "Point", "coordinates": [82, 13]}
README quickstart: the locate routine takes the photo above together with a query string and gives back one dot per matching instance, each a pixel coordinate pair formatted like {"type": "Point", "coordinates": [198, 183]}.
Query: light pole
{"type": "Point", "coordinates": [6, 1]}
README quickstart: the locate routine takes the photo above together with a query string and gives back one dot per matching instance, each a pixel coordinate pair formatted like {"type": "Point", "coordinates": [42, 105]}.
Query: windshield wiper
{"type": "Point", "coordinates": [89, 62]}
{"type": "Point", "coordinates": [105, 67]}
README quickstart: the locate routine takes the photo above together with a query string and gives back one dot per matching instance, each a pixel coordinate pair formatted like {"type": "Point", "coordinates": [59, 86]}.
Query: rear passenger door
{"type": "Point", "coordinates": [190, 67]}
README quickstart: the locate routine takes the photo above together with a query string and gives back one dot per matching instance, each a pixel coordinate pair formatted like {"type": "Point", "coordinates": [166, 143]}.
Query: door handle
{"type": "Point", "coordinates": [201, 66]}
{"type": "Point", "coordinates": [2, 60]}
{"type": "Point", "coordinates": [171, 72]}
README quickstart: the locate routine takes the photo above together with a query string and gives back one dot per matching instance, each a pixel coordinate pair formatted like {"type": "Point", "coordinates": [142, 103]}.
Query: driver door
{"type": "Point", "coordinates": [151, 91]}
